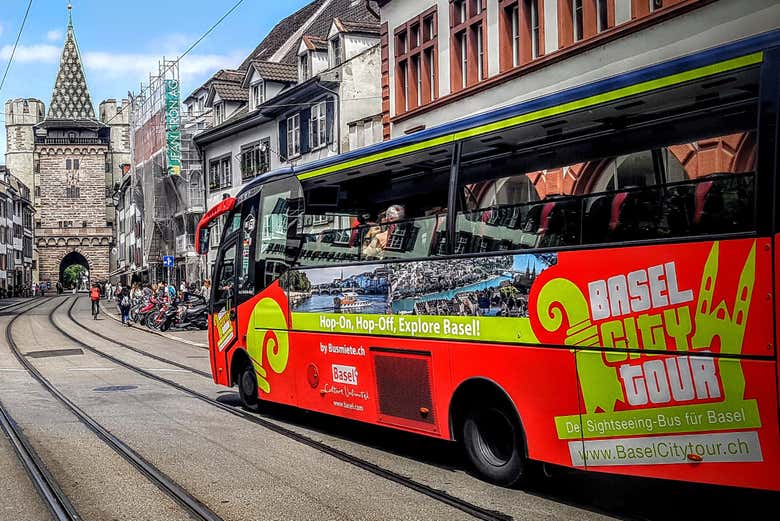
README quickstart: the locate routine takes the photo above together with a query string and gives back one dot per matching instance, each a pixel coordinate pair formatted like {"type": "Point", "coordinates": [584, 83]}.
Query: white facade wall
{"type": "Point", "coordinates": [708, 26]}
{"type": "Point", "coordinates": [360, 92]}
{"type": "Point", "coordinates": [355, 44]}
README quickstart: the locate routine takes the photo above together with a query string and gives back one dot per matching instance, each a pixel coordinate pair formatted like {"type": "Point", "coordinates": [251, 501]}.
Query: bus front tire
{"type": "Point", "coordinates": [493, 441]}
{"type": "Point", "coordinates": [247, 388]}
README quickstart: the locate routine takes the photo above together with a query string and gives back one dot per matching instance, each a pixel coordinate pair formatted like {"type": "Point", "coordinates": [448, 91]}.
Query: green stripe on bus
{"type": "Point", "coordinates": [640, 88]}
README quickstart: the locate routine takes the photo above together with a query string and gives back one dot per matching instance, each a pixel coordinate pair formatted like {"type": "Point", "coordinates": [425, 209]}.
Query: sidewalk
{"type": "Point", "coordinates": [193, 338]}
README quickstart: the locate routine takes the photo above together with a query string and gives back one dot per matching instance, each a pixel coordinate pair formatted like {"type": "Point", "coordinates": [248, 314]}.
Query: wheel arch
{"type": "Point", "coordinates": [238, 361]}
{"type": "Point", "coordinates": [474, 390]}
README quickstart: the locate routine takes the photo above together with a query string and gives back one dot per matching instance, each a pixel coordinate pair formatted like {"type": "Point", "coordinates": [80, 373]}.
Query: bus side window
{"type": "Point", "coordinates": [245, 280]}
{"type": "Point", "coordinates": [277, 245]}
{"type": "Point", "coordinates": [225, 279]}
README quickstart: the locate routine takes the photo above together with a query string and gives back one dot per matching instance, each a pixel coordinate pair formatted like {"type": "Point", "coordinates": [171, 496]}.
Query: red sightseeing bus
{"type": "Point", "coordinates": [586, 279]}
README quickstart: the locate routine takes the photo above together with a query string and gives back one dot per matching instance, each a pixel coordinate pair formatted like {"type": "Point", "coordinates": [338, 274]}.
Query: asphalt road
{"type": "Point", "coordinates": [245, 471]}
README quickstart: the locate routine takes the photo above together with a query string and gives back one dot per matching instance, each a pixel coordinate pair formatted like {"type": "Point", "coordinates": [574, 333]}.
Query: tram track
{"type": "Point", "coordinates": [47, 487]}
{"type": "Point", "coordinates": [438, 495]}
{"type": "Point", "coordinates": [194, 507]}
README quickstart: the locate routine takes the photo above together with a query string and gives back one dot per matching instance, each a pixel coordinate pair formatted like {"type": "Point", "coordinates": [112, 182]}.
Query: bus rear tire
{"type": "Point", "coordinates": [247, 388]}
{"type": "Point", "coordinates": [493, 442]}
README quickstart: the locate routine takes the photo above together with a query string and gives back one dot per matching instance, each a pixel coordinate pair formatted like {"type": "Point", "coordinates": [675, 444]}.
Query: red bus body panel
{"type": "Point", "coordinates": [654, 361]}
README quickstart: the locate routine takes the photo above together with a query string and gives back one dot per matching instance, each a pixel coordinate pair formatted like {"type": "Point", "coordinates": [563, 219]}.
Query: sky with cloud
{"type": "Point", "coordinates": [121, 42]}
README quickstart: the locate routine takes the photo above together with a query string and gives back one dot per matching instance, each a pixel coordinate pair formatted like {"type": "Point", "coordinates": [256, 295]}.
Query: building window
{"type": "Point", "coordinates": [303, 66]}
{"type": "Point", "coordinates": [72, 192]}
{"type": "Point", "coordinates": [416, 55]}
{"type": "Point", "coordinates": [335, 51]}
{"type": "Point", "coordinates": [480, 53]}
{"type": "Point", "coordinates": [220, 173]}
{"type": "Point", "coordinates": [293, 136]}
{"type": "Point", "coordinates": [226, 172]}
{"type": "Point", "coordinates": [532, 8]}
{"type": "Point", "coordinates": [577, 20]}
{"type": "Point", "coordinates": [403, 75]}
{"type": "Point", "coordinates": [602, 13]}
{"type": "Point", "coordinates": [37, 191]}
{"type": "Point", "coordinates": [464, 60]}
{"type": "Point", "coordinates": [317, 126]}
{"type": "Point", "coordinates": [255, 159]}
{"type": "Point", "coordinates": [467, 34]}
{"type": "Point", "coordinates": [418, 75]}
{"type": "Point", "coordinates": [514, 15]}
{"type": "Point", "coordinates": [655, 5]}
{"type": "Point", "coordinates": [258, 94]}
{"type": "Point", "coordinates": [219, 113]}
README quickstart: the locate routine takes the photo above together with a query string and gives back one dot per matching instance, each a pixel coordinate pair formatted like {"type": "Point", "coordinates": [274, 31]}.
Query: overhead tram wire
{"type": "Point", "coordinates": [189, 49]}
{"type": "Point", "coordinates": [16, 43]}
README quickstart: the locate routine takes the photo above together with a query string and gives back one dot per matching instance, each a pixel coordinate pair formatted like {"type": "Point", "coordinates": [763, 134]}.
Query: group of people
{"type": "Point", "coordinates": [125, 295]}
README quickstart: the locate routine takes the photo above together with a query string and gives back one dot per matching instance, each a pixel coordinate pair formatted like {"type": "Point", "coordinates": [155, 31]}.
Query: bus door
{"type": "Point", "coordinates": [267, 337]}
{"type": "Point", "coordinates": [224, 330]}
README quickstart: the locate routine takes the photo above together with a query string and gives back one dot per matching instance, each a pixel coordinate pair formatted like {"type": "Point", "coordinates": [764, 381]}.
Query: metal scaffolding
{"type": "Point", "coordinates": [171, 204]}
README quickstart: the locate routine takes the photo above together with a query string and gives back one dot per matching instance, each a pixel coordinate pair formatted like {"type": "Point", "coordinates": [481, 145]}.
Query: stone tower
{"type": "Point", "coordinates": [71, 167]}
{"type": "Point", "coordinates": [21, 116]}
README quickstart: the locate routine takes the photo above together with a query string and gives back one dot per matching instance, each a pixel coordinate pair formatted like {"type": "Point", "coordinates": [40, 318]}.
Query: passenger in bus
{"type": "Point", "coordinates": [378, 235]}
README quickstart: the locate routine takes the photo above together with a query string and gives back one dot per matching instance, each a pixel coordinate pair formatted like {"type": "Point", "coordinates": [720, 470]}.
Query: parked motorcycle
{"type": "Point", "coordinates": [192, 314]}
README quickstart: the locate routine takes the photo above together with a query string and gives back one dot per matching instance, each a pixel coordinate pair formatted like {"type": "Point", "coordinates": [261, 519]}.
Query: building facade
{"type": "Point", "coordinates": [70, 158]}
{"type": "Point", "coordinates": [309, 91]}
{"type": "Point", "coordinates": [16, 235]}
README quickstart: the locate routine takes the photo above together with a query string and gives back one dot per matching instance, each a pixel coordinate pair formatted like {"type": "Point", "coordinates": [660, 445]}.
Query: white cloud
{"type": "Point", "coordinates": [39, 53]}
{"type": "Point", "coordinates": [140, 65]}
{"type": "Point", "coordinates": [54, 35]}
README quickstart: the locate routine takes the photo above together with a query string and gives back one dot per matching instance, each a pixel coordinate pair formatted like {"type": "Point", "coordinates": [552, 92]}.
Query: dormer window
{"type": "Point", "coordinates": [304, 71]}
{"type": "Point", "coordinates": [200, 104]}
{"type": "Point", "coordinates": [258, 94]}
{"type": "Point", "coordinates": [336, 56]}
{"type": "Point", "coordinates": [219, 113]}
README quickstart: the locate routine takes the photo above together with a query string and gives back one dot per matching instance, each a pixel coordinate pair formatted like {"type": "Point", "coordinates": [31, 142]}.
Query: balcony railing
{"type": "Point", "coordinates": [70, 141]}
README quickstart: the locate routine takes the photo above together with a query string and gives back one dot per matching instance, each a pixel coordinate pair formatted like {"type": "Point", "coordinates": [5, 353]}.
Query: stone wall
{"type": "Point", "coordinates": [53, 206]}
{"type": "Point", "coordinates": [51, 257]}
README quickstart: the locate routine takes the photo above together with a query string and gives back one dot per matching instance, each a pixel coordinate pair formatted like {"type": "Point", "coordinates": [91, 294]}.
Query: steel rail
{"type": "Point", "coordinates": [167, 485]}
{"type": "Point", "coordinates": [439, 495]}
{"type": "Point", "coordinates": [50, 491]}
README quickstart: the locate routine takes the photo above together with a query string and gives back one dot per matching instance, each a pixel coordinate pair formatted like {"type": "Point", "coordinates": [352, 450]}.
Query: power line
{"type": "Point", "coordinates": [13, 51]}
{"type": "Point", "coordinates": [190, 48]}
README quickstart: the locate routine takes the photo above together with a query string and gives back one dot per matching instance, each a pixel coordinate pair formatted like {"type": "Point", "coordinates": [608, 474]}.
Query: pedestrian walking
{"type": "Point", "coordinates": [109, 291]}
{"type": "Point", "coordinates": [94, 296]}
{"type": "Point", "coordinates": [124, 305]}
{"type": "Point", "coordinates": [205, 290]}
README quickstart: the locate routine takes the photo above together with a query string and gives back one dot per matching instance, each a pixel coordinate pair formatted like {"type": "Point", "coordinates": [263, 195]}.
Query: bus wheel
{"type": "Point", "coordinates": [494, 444]}
{"type": "Point", "coordinates": [247, 387]}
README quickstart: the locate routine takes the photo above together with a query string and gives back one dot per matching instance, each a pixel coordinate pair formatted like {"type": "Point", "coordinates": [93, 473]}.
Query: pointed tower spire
{"type": "Point", "coordinates": [70, 99]}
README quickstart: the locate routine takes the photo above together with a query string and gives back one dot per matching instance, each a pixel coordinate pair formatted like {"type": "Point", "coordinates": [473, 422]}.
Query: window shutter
{"type": "Point", "coordinates": [330, 105]}
{"type": "Point", "coordinates": [305, 122]}
{"type": "Point", "coordinates": [283, 140]}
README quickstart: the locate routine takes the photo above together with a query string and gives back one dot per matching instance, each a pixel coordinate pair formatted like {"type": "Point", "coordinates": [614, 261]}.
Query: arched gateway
{"type": "Point", "coordinates": [75, 258]}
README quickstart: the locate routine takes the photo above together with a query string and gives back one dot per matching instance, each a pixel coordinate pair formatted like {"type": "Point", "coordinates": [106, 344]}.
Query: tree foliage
{"type": "Point", "coordinates": [72, 274]}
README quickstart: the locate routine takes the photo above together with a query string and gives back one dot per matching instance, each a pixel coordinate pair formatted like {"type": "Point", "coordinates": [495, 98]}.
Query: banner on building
{"type": "Point", "coordinates": [172, 126]}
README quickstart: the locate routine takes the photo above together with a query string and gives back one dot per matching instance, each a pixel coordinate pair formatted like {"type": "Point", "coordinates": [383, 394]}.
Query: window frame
{"type": "Point", "coordinates": [416, 61]}
{"type": "Point", "coordinates": [294, 136]}
{"type": "Point", "coordinates": [466, 47]}
{"type": "Point", "coordinates": [318, 126]}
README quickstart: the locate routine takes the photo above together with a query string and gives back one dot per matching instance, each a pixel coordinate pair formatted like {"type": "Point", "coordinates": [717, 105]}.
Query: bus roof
{"type": "Point", "coordinates": [695, 66]}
